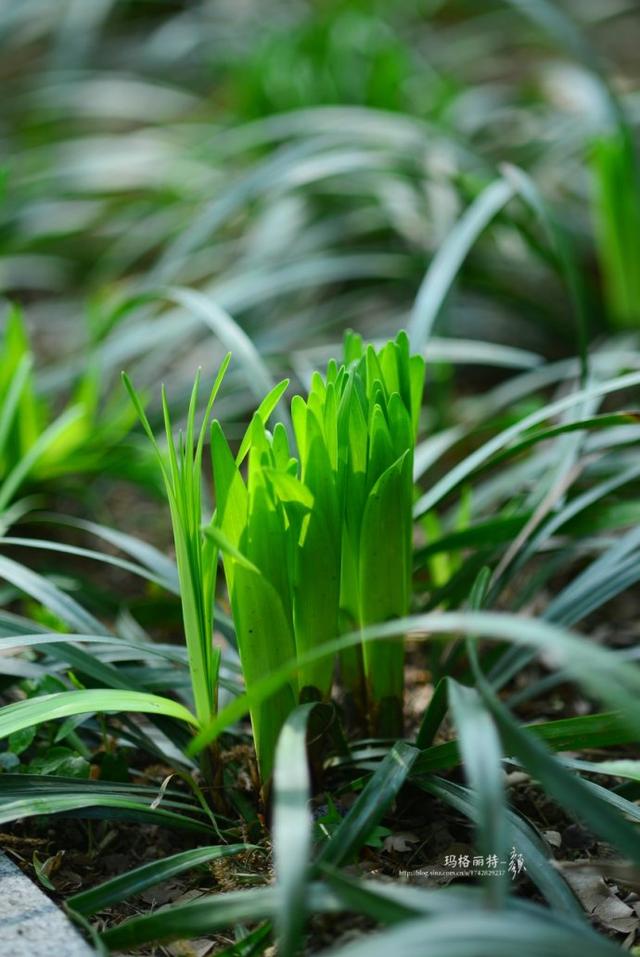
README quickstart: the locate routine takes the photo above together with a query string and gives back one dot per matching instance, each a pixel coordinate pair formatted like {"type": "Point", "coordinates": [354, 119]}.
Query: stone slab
{"type": "Point", "coordinates": [30, 924]}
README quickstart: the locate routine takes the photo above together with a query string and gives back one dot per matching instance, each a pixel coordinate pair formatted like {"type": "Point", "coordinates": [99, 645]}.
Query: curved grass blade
{"type": "Point", "coordinates": [79, 552]}
{"type": "Point", "coordinates": [201, 917]}
{"type": "Point", "coordinates": [571, 792]}
{"type": "Point", "coordinates": [143, 649]}
{"type": "Point", "coordinates": [391, 903]}
{"type": "Point", "coordinates": [604, 421]}
{"type": "Point", "coordinates": [133, 882]}
{"type": "Point", "coordinates": [449, 258]}
{"type": "Point", "coordinates": [599, 671]}
{"type": "Point", "coordinates": [469, 465]}
{"type": "Point", "coordinates": [248, 944]}
{"type": "Point", "coordinates": [11, 399]}
{"type": "Point", "coordinates": [233, 337]}
{"type": "Point", "coordinates": [100, 805]}
{"type": "Point", "coordinates": [566, 734]}
{"type": "Point", "coordinates": [44, 591]}
{"type": "Point", "coordinates": [433, 716]}
{"type": "Point", "coordinates": [559, 243]}
{"type": "Point", "coordinates": [532, 542]}
{"type": "Point", "coordinates": [29, 460]}
{"type": "Point", "coordinates": [33, 711]}
{"type": "Point", "coordinates": [617, 768]}
{"type": "Point", "coordinates": [144, 553]}
{"type": "Point", "coordinates": [564, 31]}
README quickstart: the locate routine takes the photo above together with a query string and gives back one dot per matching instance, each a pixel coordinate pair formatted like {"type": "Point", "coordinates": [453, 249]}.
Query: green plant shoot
{"type": "Point", "coordinates": [378, 407]}
{"type": "Point", "coordinates": [322, 543]}
{"type": "Point", "coordinates": [196, 553]}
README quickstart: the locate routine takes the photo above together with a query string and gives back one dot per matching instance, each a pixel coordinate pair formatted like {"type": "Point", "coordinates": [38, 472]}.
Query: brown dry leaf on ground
{"type": "Point", "coordinates": [599, 899]}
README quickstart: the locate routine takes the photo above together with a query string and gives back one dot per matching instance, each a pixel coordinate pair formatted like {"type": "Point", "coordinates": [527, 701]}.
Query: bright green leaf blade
{"type": "Point", "coordinates": [23, 714]}
{"type": "Point", "coordinates": [264, 410]}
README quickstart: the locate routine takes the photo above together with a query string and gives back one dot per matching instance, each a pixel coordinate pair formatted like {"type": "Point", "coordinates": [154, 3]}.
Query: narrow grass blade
{"type": "Point", "coordinates": [567, 734]}
{"type": "Point", "coordinates": [482, 759]}
{"type": "Point", "coordinates": [135, 881]}
{"type": "Point", "coordinates": [101, 805]}
{"type": "Point", "coordinates": [23, 468]}
{"type": "Point", "coordinates": [369, 808]}
{"type": "Point", "coordinates": [433, 716]}
{"type": "Point", "coordinates": [559, 242]}
{"type": "Point", "coordinates": [32, 711]}
{"type": "Point", "coordinates": [465, 468]}
{"type": "Point", "coordinates": [144, 553]}
{"type": "Point", "coordinates": [206, 915]}
{"type": "Point", "coordinates": [11, 400]}
{"type": "Point", "coordinates": [292, 828]}
{"type": "Point", "coordinates": [233, 337]}
{"type": "Point", "coordinates": [392, 903]}
{"type": "Point", "coordinates": [50, 596]}
{"type": "Point", "coordinates": [62, 548]}
{"type": "Point", "coordinates": [449, 258]}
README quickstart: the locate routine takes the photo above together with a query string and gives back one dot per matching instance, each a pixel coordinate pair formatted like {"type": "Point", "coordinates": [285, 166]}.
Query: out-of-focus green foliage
{"type": "Point", "coordinates": [302, 164]}
{"type": "Point", "coordinates": [341, 53]}
{"type": "Point", "coordinates": [38, 447]}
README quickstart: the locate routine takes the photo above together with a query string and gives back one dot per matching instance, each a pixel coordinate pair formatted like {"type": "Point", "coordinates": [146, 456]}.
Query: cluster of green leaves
{"type": "Point", "coordinates": [301, 538]}
{"type": "Point", "coordinates": [379, 401]}
{"type": "Point", "coordinates": [196, 555]}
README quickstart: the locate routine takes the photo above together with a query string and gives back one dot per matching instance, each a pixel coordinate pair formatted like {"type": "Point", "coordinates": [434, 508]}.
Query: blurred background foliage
{"type": "Point", "coordinates": [300, 164]}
